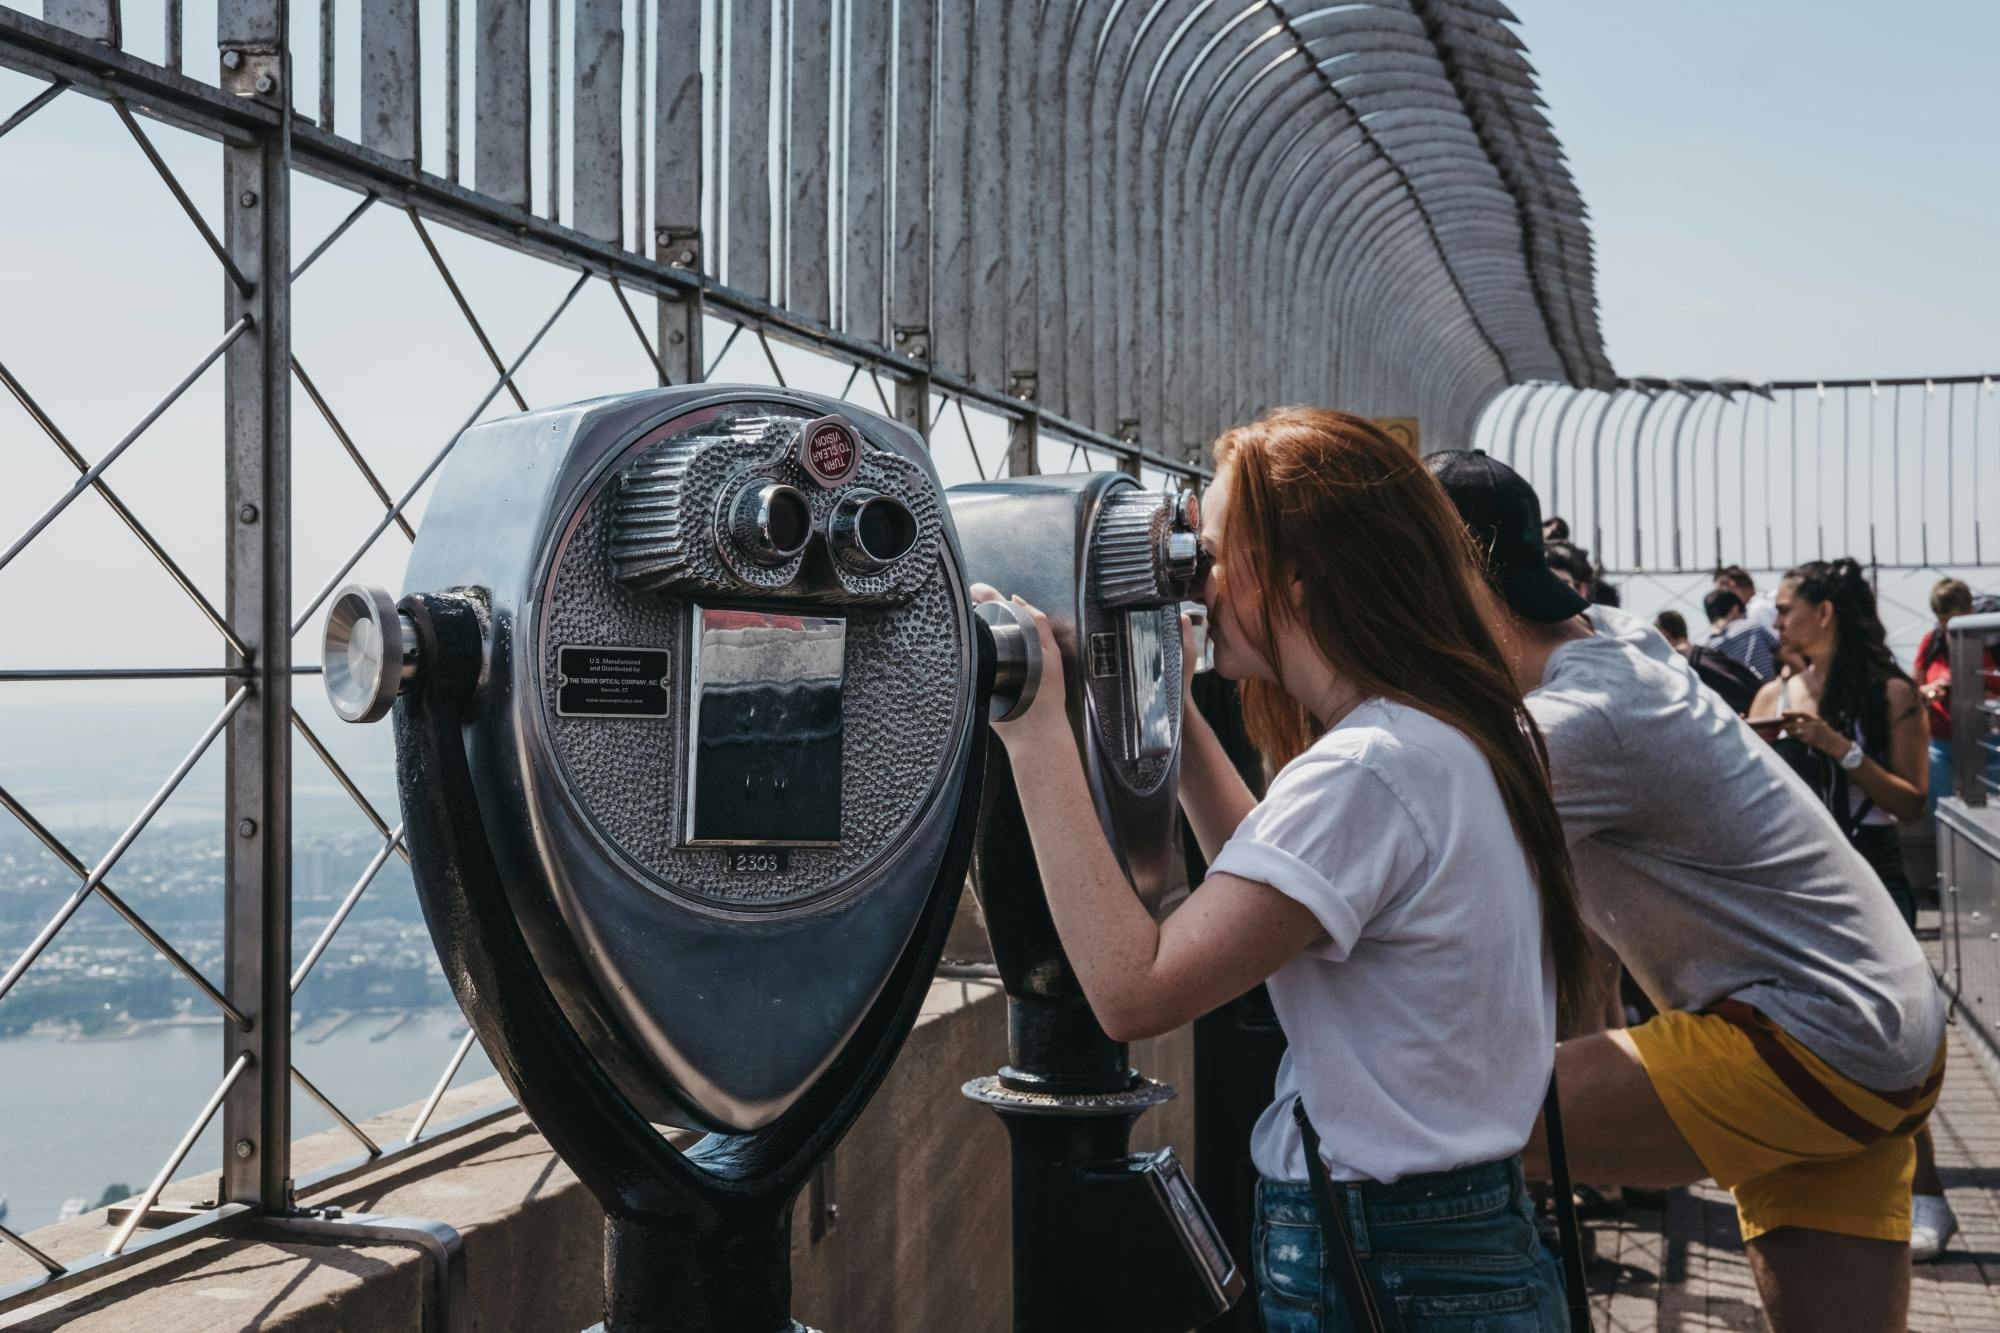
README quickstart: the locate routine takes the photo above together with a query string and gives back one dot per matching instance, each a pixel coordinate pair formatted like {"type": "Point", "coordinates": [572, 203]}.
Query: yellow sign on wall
{"type": "Point", "coordinates": [1403, 430]}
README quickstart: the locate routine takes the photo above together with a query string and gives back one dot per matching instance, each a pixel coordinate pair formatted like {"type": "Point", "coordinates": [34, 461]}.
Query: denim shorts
{"type": "Point", "coordinates": [1449, 1252]}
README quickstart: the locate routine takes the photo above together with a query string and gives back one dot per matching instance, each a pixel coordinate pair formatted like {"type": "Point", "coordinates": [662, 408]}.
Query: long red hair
{"type": "Point", "coordinates": [1395, 603]}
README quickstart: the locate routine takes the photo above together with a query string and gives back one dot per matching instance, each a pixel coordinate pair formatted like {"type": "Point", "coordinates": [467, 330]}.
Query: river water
{"type": "Point", "coordinates": [81, 1115]}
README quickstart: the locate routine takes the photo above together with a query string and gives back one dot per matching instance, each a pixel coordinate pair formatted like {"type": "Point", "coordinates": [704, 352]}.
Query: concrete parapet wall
{"type": "Point", "coordinates": [919, 1242]}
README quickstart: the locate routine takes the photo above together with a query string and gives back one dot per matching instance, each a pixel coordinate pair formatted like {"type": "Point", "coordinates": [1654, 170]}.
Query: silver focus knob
{"type": "Point", "coordinates": [368, 653]}
{"type": "Point", "coordinates": [1018, 674]}
{"type": "Point", "coordinates": [1182, 558]}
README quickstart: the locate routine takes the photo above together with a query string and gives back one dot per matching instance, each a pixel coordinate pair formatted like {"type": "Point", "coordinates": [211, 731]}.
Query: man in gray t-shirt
{"type": "Point", "coordinates": [1800, 1040]}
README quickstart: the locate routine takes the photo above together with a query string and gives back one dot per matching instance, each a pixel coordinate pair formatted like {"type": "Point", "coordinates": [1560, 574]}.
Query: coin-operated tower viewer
{"type": "Point", "coordinates": [690, 712]}
{"type": "Point", "coordinates": [1103, 1238]}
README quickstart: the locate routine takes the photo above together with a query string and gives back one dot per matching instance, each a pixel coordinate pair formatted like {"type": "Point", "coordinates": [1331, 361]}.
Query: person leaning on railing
{"type": "Point", "coordinates": [1950, 599]}
{"type": "Point", "coordinates": [1800, 1039]}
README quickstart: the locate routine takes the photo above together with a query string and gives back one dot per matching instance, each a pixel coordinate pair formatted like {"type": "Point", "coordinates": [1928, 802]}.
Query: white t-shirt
{"type": "Point", "coordinates": [1422, 1027]}
{"type": "Point", "coordinates": [1761, 610]}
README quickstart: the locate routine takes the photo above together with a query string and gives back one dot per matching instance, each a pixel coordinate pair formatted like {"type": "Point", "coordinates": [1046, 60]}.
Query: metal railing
{"type": "Point", "coordinates": [1670, 475]}
{"type": "Point", "coordinates": [1968, 836]}
{"type": "Point", "coordinates": [1975, 709]}
{"type": "Point", "coordinates": [1020, 231]}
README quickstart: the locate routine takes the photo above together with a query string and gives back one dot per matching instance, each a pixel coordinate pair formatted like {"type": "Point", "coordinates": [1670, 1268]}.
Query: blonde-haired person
{"type": "Point", "coordinates": [1403, 886]}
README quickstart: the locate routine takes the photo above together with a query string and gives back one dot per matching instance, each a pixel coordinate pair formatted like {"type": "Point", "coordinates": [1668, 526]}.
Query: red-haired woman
{"type": "Point", "coordinates": [1404, 887]}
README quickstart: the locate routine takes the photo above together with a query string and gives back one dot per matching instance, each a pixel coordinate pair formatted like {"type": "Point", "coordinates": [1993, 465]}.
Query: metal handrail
{"type": "Point", "coordinates": [1848, 487]}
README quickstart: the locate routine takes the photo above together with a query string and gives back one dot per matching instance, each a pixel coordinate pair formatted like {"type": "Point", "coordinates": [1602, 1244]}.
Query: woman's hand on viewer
{"type": "Point", "coordinates": [1048, 714]}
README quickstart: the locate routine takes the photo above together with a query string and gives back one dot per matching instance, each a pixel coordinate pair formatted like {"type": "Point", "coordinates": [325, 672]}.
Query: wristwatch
{"type": "Point", "coordinates": [1854, 757]}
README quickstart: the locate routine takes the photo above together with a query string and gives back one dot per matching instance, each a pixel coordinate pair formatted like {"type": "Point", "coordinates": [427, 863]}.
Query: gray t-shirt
{"type": "Point", "coordinates": [1711, 869]}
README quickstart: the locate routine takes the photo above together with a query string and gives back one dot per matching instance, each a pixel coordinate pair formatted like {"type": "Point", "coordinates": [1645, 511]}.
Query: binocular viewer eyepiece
{"type": "Point", "coordinates": [775, 506]}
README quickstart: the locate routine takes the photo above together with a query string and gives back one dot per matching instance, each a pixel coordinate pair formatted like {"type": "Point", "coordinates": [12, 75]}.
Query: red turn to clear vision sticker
{"type": "Point", "coordinates": [829, 450]}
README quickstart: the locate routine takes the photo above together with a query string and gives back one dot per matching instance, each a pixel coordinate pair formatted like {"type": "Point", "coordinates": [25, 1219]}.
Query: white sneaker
{"type": "Point", "coordinates": [1932, 1223]}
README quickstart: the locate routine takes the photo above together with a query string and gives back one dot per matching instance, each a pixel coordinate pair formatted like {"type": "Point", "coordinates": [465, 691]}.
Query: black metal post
{"type": "Point", "coordinates": [1096, 1244]}
{"type": "Point", "coordinates": [716, 1271]}
{"type": "Point", "coordinates": [1236, 1047]}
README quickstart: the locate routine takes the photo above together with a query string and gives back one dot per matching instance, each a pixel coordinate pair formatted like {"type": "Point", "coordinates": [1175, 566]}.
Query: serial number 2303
{"type": "Point", "coordinates": [760, 862]}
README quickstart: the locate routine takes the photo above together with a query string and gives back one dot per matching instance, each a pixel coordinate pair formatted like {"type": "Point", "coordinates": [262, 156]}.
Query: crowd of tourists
{"type": "Point", "coordinates": [1491, 792]}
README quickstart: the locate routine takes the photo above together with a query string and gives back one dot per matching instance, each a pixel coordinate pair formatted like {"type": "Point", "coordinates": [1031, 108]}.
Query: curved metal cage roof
{"type": "Point", "coordinates": [1147, 218]}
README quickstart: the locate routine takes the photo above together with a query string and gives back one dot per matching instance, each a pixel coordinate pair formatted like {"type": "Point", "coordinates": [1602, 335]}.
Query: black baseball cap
{"type": "Point", "coordinates": [1506, 520]}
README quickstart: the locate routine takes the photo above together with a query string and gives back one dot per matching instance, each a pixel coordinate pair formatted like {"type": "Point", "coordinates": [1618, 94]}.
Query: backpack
{"type": "Point", "coordinates": [1735, 682]}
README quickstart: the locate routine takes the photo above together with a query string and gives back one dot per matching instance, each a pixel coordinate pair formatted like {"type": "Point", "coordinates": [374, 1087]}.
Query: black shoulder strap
{"type": "Point", "coordinates": [1356, 1292]}
{"type": "Point", "coordinates": [1571, 1229]}
{"type": "Point", "coordinates": [1851, 821]}
{"type": "Point", "coordinates": [1355, 1288]}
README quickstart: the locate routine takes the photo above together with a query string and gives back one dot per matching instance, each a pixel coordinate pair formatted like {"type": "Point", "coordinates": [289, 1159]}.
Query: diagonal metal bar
{"type": "Point", "coordinates": [465, 307]}
{"type": "Point", "coordinates": [771, 357]}
{"type": "Point", "coordinates": [632, 316]}
{"type": "Point", "coordinates": [424, 476]}
{"type": "Point", "coordinates": [146, 539]}
{"type": "Point", "coordinates": [347, 443]}
{"type": "Point", "coordinates": [340, 775]}
{"type": "Point", "coordinates": [852, 375]}
{"type": "Point", "coordinates": [62, 853]}
{"type": "Point", "coordinates": [437, 1093]}
{"type": "Point", "coordinates": [727, 343]}
{"type": "Point", "coordinates": [971, 445]}
{"type": "Point", "coordinates": [347, 904]}
{"type": "Point", "coordinates": [127, 673]}
{"type": "Point", "coordinates": [14, 1239]}
{"type": "Point", "coordinates": [92, 473]}
{"type": "Point", "coordinates": [372, 1148]}
{"type": "Point", "coordinates": [339, 231]}
{"type": "Point", "coordinates": [242, 283]}
{"type": "Point", "coordinates": [96, 876]}
{"type": "Point", "coordinates": [179, 1154]}
{"type": "Point", "coordinates": [34, 104]}
{"type": "Point", "coordinates": [880, 393]}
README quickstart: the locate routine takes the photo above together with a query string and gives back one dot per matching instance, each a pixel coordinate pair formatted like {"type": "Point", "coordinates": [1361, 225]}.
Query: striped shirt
{"type": "Point", "coordinates": [1749, 643]}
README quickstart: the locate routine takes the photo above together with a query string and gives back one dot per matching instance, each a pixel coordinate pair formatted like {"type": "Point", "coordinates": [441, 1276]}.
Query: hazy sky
{"type": "Point", "coordinates": [1783, 188]}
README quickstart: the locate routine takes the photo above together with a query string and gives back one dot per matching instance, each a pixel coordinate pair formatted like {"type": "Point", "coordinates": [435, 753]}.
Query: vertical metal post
{"type": "Point", "coordinates": [677, 133]}
{"type": "Point", "coordinates": [913, 400]}
{"type": "Point", "coordinates": [257, 452]}
{"type": "Point", "coordinates": [912, 215]}
{"type": "Point", "coordinates": [1024, 446]}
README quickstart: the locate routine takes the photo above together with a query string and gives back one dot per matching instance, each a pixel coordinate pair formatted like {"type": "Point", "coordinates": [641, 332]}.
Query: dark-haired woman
{"type": "Point", "coordinates": [1404, 885]}
{"type": "Point", "coordinates": [1855, 709]}
{"type": "Point", "coordinates": [1856, 713]}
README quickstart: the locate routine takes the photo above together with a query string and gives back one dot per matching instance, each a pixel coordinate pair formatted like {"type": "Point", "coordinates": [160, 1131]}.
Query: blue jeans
{"type": "Point", "coordinates": [1941, 771]}
{"type": "Point", "coordinates": [1944, 778]}
{"type": "Point", "coordinates": [1449, 1252]}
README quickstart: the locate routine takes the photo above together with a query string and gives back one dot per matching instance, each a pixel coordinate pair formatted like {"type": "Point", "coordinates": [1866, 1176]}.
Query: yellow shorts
{"type": "Point", "coordinates": [1798, 1143]}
